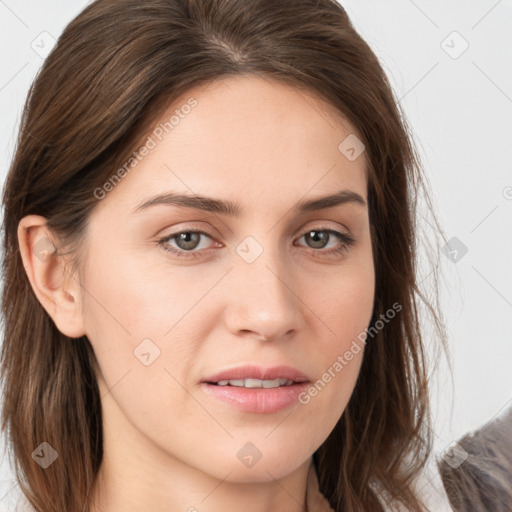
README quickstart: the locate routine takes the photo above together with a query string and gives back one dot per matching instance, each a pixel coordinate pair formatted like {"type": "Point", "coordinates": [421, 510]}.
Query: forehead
{"type": "Point", "coordinates": [248, 138]}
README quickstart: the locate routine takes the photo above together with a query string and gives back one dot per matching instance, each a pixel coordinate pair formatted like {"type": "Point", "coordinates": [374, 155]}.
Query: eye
{"type": "Point", "coordinates": [319, 239]}
{"type": "Point", "coordinates": [188, 242]}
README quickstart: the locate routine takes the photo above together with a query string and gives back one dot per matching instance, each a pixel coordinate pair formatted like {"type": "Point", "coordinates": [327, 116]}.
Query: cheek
{"type": "Point", "coordinates": [133, 312]}
{"type": "Point", "coordinates": [344, 302]}
{"type": "Point", "coordinates": [344, 305]}
{"type": "Point", "coordinates": [132, 316]}
{"type": "Point", "coordinates": [130, 298]}
{"type": "Point", "coordinates": [120, 312]}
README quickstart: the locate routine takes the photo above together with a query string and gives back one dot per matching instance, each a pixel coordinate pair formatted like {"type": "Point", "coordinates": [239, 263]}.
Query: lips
{"type": "Point", "coordinates": [258, 373]}
{"type": "Point", "coordinates": [254, 389]}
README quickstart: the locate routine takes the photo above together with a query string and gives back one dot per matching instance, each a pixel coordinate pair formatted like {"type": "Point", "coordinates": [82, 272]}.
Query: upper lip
{"type": "Point", "coordinates": [259, 372]}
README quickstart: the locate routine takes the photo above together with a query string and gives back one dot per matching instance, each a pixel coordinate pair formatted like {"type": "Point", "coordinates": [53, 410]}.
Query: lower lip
{"type": "Point", "coordinates": [260, 400]}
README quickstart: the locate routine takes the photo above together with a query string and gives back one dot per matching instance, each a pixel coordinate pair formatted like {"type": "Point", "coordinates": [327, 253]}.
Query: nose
{"type": "Point", "coordinates": [262, 303]}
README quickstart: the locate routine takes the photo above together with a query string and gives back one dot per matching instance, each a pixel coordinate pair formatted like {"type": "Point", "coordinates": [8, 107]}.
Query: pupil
{"type": "Point", "coordinates": [185, 237]}
{"type": "Point", "coordinates": [316, 236]}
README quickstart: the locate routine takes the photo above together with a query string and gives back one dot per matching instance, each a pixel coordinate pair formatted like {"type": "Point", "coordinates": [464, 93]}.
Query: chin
{"type": "Point", "coordinates": [251, 464]}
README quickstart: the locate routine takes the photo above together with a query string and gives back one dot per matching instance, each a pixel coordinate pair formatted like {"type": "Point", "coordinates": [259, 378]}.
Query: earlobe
{"type": "Point", "coordinates": [46, 271]}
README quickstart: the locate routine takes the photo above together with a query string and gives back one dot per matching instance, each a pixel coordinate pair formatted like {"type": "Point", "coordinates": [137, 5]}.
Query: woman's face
{"type": "Point", "coordinates": [267, 285]}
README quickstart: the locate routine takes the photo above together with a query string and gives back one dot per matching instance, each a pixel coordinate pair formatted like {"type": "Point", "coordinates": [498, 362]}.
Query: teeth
{"type": "Point", "coordinates": [256, 383]}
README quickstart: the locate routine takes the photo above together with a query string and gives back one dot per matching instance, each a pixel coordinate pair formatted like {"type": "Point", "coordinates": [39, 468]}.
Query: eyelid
{"type": "Point", "coordinates": [320, 226]}
{"type": "Point", "coordinates": [346, 240]}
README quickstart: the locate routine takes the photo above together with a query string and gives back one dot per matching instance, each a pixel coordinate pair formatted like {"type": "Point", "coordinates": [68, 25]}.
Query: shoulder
{"type": "Point", "coordinates": [478, 470]}
{"type": "Point", "coordinates": [429, 488]}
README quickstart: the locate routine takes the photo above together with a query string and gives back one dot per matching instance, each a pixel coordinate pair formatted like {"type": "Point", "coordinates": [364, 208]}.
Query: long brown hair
{"type": "Point", "coordinates": [116, 66]}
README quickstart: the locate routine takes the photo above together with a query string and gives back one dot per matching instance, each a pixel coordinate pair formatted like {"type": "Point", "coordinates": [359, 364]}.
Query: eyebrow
{"type": "Point", "coordinates": [225, 207]}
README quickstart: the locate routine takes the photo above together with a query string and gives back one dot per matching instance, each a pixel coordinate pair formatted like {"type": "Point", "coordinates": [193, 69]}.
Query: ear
{"type": "Point", "coordinates": [58, 293]}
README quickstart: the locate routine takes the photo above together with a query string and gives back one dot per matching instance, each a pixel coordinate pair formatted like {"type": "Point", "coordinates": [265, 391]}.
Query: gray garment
{"type": "Point", "coordinates": [479, 477]}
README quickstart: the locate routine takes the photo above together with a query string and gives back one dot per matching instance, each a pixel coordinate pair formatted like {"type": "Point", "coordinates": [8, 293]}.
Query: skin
{"type": "Point", "coordinates": [167, 444]}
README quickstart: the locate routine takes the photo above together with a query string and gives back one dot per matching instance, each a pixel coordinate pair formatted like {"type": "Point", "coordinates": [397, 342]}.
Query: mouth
{"type": "Point", "coordinates": [254, 383]}
{"type": "Point", "coordinates": [257, 389]}
{"type": "Point", "coordinates": [253, 376]}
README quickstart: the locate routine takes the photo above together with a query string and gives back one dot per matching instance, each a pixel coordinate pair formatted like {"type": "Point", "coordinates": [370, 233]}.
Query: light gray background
{"type": "Point", "coordinates": [460, 109]}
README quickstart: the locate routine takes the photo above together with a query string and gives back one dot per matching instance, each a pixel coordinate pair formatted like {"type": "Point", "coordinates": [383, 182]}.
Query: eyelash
{"type": "Point", "coordinates": [347, 242]}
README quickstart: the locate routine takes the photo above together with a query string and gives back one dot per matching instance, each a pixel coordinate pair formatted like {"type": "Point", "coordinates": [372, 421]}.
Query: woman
{"type": "Point", "coordinates": [209, 262]}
